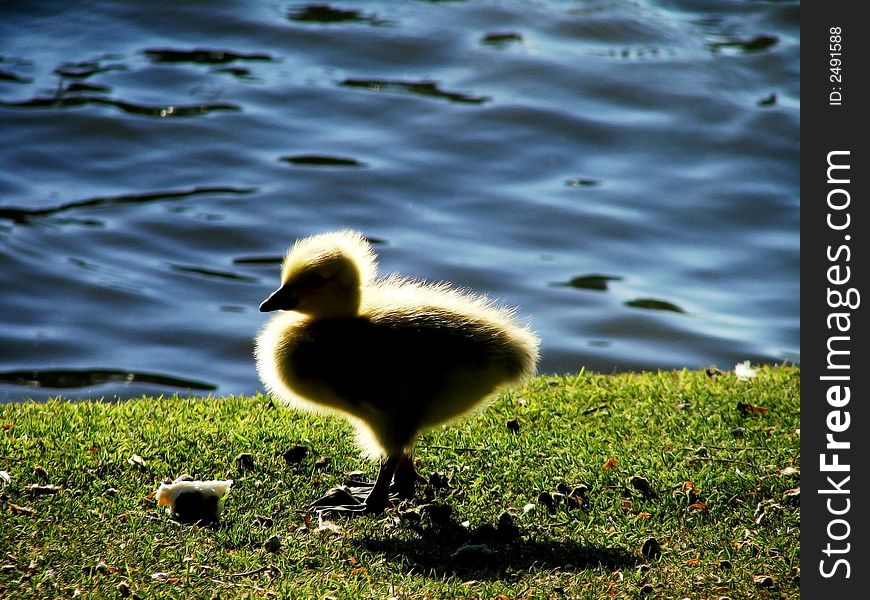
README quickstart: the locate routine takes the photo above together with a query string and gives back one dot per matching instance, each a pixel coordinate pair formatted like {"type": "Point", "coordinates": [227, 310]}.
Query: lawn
{"type": "Point", "coordinates": [660, 485]}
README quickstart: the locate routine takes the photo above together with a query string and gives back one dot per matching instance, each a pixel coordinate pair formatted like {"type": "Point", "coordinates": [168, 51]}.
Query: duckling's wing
{"type": "Point", "coordinates": [400, 361]}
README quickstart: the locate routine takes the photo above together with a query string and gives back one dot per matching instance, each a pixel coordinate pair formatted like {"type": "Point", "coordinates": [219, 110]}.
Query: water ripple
{"type": "Point", "coordinates": [24, 215]}
{"type": "Point", "coordinates": [13, 78]}
{"type": "Point", "coordinates": [320, 160]}
{"type": "Point", "coordinates": [422, 88]}
{"type": "Point", "coordinates": [201, 56]}
{"type": "Point", "coordinates": [161, 111]}
{"type": "Point", "coordinates": [325, 14]}
{"type": "Point", "coordinates": [85, 69]}
{"type": "Point", "coordinates": [258, 260]}
{"type": "Point", "coordinates": [754, 44]}
{"type": "Point", "coordinates": [211, 273]}
{"type": "Point", "coordinates": [589, 282]}
{"type": "Point", "coordinates": [501, 39]}
{"type": "Point", "coordinates": [80, 378]}
{"type": "Point", "coordinates": [654, 304]}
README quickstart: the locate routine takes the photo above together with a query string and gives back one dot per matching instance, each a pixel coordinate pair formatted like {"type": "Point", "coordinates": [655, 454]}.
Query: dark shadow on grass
{"type": "Point", "coordinates": [433, 557]}
{"type": "Point", "coordinates": [432, 539]}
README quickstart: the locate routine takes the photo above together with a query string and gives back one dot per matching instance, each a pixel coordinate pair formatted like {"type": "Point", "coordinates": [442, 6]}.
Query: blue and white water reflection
{"type": "Point", "coordinates": [624, 171]}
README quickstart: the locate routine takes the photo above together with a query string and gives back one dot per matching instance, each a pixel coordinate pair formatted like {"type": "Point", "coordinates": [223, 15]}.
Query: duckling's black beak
{"type": "Point", "coordinates": [280, 299]}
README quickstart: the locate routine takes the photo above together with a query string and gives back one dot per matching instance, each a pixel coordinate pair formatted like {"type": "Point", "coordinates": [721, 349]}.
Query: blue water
{"type": "Point", "coordinates": [626, 172]}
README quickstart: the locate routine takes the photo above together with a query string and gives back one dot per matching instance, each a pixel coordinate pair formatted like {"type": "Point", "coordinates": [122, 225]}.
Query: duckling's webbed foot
{"type": "Point", "coordinates": [359, 497]}
{"type": "Point", "coordinates": [342, 500]}
{"type": "Point", "coordinates": [396, 474]}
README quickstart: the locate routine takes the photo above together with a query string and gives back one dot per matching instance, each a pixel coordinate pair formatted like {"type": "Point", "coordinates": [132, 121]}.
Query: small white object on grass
{"type": "Point", "coordinates": [744, 371]}
{"type": "Point", "coordinates": [194, 501]}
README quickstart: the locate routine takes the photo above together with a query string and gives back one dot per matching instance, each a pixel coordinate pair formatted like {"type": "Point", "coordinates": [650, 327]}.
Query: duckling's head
{"type": "Point", "coordinates": [323, 276]}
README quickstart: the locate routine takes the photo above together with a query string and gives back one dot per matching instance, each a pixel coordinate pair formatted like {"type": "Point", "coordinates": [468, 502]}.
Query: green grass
{"type": "Point", "coordinates": [722, 507]}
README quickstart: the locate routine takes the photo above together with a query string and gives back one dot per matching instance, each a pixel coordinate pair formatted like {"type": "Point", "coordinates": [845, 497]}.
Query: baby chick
{"type": "Point", "coordinates": [392, 355]}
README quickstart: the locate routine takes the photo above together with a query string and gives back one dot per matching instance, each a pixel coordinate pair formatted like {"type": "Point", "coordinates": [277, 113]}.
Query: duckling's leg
{"type": "Point", "coordinates": [379, 497]}
{"type": "Point", "coordinates": [406, 476]}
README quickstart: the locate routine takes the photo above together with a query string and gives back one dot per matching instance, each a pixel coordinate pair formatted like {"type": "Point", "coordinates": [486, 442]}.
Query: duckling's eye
{"type": "Point", "coordinates": [313, 281]}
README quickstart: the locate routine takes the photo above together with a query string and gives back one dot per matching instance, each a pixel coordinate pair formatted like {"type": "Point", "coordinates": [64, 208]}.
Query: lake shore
{"type": "Point", "coordinates": [665, 484]}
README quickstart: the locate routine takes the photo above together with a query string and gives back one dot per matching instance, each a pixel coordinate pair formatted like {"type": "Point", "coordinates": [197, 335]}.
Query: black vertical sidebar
{"type": "Point", "coordinates": [835, 337]}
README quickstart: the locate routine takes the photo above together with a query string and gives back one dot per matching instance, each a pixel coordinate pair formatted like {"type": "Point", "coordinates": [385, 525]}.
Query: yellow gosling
{"type": "Point", "coordinates": [393, 355]}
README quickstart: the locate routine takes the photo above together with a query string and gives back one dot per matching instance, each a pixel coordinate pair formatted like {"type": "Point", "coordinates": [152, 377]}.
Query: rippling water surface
{"type": "Point", "coordinates": [625, 171]}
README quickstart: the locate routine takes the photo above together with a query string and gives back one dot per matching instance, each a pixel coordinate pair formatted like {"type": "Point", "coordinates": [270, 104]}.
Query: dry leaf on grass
{"type": "Point", "coordinates": [21, 510]}
{"type": "Point", "coordinates": [36, 489]}
{"type": "Point", "coordinates": [746, 409]}
{"type": "Point", "coordinates": [138, 461]}
{"type": "Point", "coordinates": [324, 524]}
